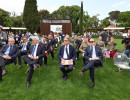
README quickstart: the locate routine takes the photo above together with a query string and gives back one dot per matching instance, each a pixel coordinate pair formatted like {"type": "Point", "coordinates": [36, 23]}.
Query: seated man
{"type": "Point", "coordinates": [24, 48]}
{"type": "Point", "coordinates": [66, 52]}
{"type": "Point", "coordinates": [8, 55]}
{"type": "Point", "coordinates": [112, 45]}
{"type": "Point", "coordinates": [34, 57]}
{"type": "Point", "coordinates": [83, 46]}
{"type": "Point", "coordinates": [100, 43]}
{"type": "Point", "coordinates": [93, 57]}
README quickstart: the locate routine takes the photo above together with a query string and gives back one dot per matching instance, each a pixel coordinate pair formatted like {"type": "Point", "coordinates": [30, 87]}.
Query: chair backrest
{"type": "Point", "coordinates": [122, 61]}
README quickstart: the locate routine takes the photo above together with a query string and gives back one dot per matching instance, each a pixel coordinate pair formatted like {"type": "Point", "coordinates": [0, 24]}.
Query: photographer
{"type": "Point", "coordinates": [3, 37]}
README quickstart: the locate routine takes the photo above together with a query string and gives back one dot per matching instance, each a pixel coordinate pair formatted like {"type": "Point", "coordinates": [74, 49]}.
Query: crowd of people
{"type": "Point", "coordinates": [34, 51]}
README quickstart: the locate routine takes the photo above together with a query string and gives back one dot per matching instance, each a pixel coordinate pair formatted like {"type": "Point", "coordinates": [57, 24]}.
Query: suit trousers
{"type": "Point", "coordinates": [69, 68]}
{"type": "Point", "coordinates": [45, 59]}
{"type": "Point", "coordinates": [30, 61]}
{"type": "Point", "coordinates": [91, 65]}
{"type": "Point", "coordinates": [19, 56]}
{"type": "Point", "coordinates": [30, 72]}
{"type": "Point", "coordinates": [52, 54]}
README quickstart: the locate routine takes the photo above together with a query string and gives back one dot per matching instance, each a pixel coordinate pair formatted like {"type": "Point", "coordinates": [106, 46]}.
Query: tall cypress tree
{"type": "Point", "coordinates": [30, 15]}
{"type": "Point", "coordinates": [81, 19]}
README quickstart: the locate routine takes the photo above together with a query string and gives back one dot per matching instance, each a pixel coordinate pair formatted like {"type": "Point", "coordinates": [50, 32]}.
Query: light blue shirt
{"type": "Point", "coordinates": [8, 50]}
{"type": "Point", "coordinates": [94, 52]}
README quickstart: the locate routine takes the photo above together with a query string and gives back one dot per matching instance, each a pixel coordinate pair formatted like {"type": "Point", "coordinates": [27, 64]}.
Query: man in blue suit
{"type": "Point", "coordinates": [8, 55]}
{"type": "Point", "coordinates": [66, 52]}
{"type": "Point", "coordinates": [93, 58]}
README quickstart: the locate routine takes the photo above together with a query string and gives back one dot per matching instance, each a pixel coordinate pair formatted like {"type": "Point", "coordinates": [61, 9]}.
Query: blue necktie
{"type": "Point", "coordinates": [23, 47]}
{"type": "Point", "coordinates": [33, 50]}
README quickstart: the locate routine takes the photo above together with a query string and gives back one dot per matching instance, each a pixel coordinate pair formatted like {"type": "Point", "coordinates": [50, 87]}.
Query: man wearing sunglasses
{"type": "Point", "coordinates": [93, 58]}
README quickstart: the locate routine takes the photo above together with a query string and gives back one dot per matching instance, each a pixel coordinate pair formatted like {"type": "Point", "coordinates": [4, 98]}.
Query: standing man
{"type": "Point", "coordinates": [66, 52]}
{"type": "Point", "coordinates": [51, 43]}
{"type": "Point", "coordinates": [104, 36]}
{"type": "Point", "coordinates": [8, 55]}
{"type": "Point", "coordinates": [3, 37]}
{"type": "Point", "coordinates": [34, 58]}
{"type": "Point", "coordinates": [93, 58]}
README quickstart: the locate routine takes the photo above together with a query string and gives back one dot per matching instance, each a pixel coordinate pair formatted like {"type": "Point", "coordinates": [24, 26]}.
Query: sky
{"type": "Point", "coordinates": [93, 7]}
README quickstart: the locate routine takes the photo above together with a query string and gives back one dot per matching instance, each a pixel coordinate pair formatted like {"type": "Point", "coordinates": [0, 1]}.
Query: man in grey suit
{"type": "Point", "coordinates": [3, 37]}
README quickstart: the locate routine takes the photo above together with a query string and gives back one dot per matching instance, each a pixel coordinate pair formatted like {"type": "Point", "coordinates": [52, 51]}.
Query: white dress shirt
{"type": "Point", "coordinates": [35, 52]}
{"type": "Point", "coordinates": [65, 54]}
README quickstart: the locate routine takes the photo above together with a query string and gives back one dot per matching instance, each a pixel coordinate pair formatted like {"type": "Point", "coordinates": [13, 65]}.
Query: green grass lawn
{"type": "Point", "coordinates": [48, 85]}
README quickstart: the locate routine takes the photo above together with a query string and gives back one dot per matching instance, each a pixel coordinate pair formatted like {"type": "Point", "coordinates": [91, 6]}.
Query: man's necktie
{"type": "Point", "coordinates": [91, 50]}
{"type": "Point", "coordinates": [33, 50]}
{"type": "Point", "coordinates": [67, 52]}
{"type": "Point", "coordinates": [23, 47]}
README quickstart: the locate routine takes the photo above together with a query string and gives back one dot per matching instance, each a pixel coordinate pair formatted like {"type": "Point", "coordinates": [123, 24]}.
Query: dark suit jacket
{"type": "Point", "coordinates": [40, 52]}
{"type": "Point", "coordinates": [13, 53]}
{"type": "Point", "coordinates": [98, 51]}
{"type": "Point", "coordinates": [72, 54]}
{"type": "Point", "coordinates": [28, 45]}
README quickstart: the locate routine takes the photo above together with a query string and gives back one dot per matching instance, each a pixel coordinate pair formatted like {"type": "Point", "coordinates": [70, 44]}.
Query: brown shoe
{"type": "Point", "coordinates": [80, 73]}
{"type": "Point", "coordinates": [91, 84]}
{"type": "Point", "coordinates": [4, 72]}
{"type": "Point", "coordinates": [19, 67]}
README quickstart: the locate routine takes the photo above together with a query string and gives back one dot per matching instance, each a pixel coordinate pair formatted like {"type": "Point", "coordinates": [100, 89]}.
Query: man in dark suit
{"type": "Point", "coordinates": [8, 55]}
{"type": "Point", "coordinates": [93, 58]}
{"type": "Point", "coordinates": [66, 52]}
{"type": "Point", "coordinates": [17, 39]}
{"type": "Point", "coordinates": [51, 44]}
{"type": "Point", "coordinates": [24, 48]}
{"type": "Point", "coordinates": [47, 50]}
{"type": "Point", "coordinates": [34, 57]}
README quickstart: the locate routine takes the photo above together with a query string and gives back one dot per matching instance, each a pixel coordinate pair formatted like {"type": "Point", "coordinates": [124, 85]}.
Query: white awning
{"type": "Point", "coordinates": [18, 28]}
{"type": "Point", "coordinates": [116, 28]}
{"type": "Point", "coordinates": [6, 28]}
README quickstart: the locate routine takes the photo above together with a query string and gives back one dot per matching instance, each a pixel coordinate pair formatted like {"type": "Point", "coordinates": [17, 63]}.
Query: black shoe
{"type": "Point", "coordinates": [45, 65]}
{"type": "Point", "coordinates": [65, 77]}
{"type": "Point", "coordinates": [118, 70]}
{"type": "Point", "coordinates": [28, 84]}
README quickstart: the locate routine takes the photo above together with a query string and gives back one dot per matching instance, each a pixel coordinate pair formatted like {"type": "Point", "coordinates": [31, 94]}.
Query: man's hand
{"type": "Point", "coordinates": [62, 61]}
{"type": "Point", "coordinates": [6, 57]}
{"type": "Point", "coordinates": [45, 51]}
{"type": "Point", "coordinates": [70, 61]}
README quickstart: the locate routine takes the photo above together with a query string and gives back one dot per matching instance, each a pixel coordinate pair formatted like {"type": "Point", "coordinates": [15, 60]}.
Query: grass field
{"type": "Point", "coordinates": [48, 85]}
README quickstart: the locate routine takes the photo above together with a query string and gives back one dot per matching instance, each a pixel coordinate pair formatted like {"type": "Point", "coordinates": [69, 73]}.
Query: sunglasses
{"type": "Point", "coordinates": [91, 41]}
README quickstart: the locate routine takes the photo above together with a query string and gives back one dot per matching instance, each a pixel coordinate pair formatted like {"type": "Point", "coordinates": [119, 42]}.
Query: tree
{"type": "Point", "coordinates": [5, 19]}
{"type": "Point", "coordinates": [81, 19]}
{"type": "Point", "coordinates": [105, 22]}
{"type": "Point", "coordinates": [68, 12]}
{"type": "Point", "coordinates": [124, 19]}
{"type": "Point", "coordinates": [44, 14]}
{"type": "Point", "coordinates": [30, 15]}
{"type": "Point", "coordinates": [113, 15]}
